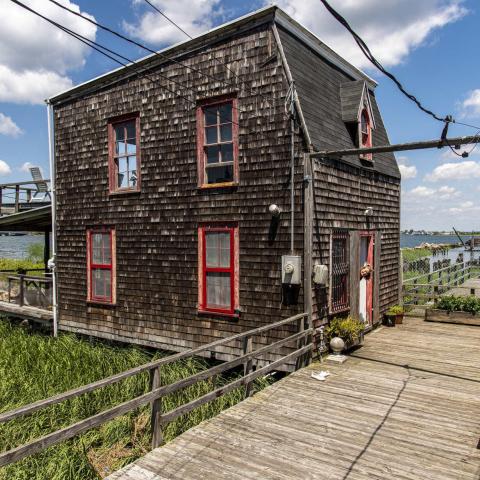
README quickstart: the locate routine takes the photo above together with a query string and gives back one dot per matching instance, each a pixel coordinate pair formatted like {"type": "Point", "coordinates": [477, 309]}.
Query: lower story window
{"type": "Point", "coordinates": [339, 291]}
{"type": "Point", "coordinates": [218, 268]}
{"type": "Point", "coordinates": [101, 265]}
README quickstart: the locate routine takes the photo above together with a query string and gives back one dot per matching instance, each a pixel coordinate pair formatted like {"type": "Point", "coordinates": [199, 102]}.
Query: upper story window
{"type": "Point", "coordinates": [340, 272]}
{"type": "Point", "coordinates": [365, 133]}
{"type": "Point", "coordinates": [218, 269]}
{"type": "Point", "coordinates": [101, 265]}
{"type": "Point", "coordinates": [124, 154]}
{"type": "Point", "coordinates": [217, 143]}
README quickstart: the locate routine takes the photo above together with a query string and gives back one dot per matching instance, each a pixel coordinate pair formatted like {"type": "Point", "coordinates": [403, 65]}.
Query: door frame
{"type": "Point", "coordinates": [371, 234]}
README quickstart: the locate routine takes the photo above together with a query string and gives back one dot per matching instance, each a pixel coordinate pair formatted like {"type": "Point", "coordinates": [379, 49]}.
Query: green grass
{"type": "Point", "coordinates": [14, 264]}
{"type": "Point", "coordinates": [34, 366]}
{"type": "Point", "coordinates": [412, 254]}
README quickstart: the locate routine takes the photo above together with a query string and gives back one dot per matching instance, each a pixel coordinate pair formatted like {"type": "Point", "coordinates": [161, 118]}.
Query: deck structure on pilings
{"type": "Point", "coordinates": [404, 406]}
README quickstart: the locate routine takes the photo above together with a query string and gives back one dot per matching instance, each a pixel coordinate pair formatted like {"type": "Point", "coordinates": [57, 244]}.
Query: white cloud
{"type": "Point", "coordinates": [8, 126]}
{"type": "Point", "coordinates": [392, 29]}
{"type": "Point", "coordinates": [193, 16]}
{"type": "Point", "coordinates": [4, 168]}
{"type": "Point", "coordinates": [455, 171]}
{"type": "Point", "coordinates": [471, 105]}
{"type": "Point", "coordinates": [422, 191]}
{"type": "Point", "coordinates": [467, 204]}
{"type": "Point", "coordinates": [446, 192]}
{"type": "Point", "coordinates": [35, 57]}
{"type": "Point", "coordinates": [408, 171]}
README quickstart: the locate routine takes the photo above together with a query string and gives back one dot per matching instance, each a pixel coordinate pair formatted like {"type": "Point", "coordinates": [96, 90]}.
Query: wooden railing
{"type": "Point", "coordinates": [33, 291]}
{"type": "Point", "coordinates": [18, 195]}
{"type": "Point", "coordinates": [300, 355]}
{"type": "Point", "coordinates": [428, 287]}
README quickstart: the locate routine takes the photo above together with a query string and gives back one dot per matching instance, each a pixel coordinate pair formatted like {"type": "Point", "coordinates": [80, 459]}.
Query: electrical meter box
{"type": "Point", "coordinates": [320, 274]}
{"type": "Point", "coordinates": [291, 269]}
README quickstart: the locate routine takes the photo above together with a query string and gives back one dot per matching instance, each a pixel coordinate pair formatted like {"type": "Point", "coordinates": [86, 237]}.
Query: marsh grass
{"type": "Point", "coordinates": [34, 366]}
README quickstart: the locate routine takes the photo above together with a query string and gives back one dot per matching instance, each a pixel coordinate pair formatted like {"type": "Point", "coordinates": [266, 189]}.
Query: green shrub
{"type": "Point", "coordinates": [349, 329]}
{"type": "Point", "coordinates": [452, 303]}
{"type": "Point", "coordinates": [35, 252]}
{"type": "Point", "coordinates": [395, 310]}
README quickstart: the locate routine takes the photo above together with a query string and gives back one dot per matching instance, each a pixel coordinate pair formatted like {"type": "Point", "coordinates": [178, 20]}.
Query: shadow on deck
{"type": "Point", "coordinates": [405, 406]}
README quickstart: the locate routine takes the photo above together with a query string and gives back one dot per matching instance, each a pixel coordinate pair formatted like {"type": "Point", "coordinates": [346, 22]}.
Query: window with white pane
{"type": "Point", "coordinates": [218, 151]}
{"type": "Point", "coordinates": [218, 270]}
{"type": "Point", "coordinates": [100, 244]}
{"type": "Point", "coordinates": [124, 148]}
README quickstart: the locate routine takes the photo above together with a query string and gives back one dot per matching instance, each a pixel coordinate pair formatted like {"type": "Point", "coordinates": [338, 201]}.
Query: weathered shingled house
{"type": "Point", "coordinates": [164, 183]}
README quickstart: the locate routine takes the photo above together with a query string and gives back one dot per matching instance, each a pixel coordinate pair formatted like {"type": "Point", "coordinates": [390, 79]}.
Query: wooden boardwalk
{"type": "Point", "coordinates": [405, 406]}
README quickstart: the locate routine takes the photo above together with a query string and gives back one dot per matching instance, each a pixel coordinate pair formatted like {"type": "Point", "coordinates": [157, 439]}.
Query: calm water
{"type": "Point", "coordinates": [415, 240]}
{"type": "Point", "coordinates": [17, 247]}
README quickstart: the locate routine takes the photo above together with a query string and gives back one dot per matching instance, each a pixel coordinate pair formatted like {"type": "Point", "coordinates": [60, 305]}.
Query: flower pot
{"type": "Point", "coordinates": [399, 319]}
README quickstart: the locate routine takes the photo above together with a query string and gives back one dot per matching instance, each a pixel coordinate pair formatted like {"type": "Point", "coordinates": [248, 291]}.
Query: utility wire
{"type": "Point", "coordinates": [366, 51]}
{"type": "Point", "coordinates": [102, 49]}
{"type": "Point", "coordinates": [154, 52]}
{"type": "Point", "coordinates": [164, 15]}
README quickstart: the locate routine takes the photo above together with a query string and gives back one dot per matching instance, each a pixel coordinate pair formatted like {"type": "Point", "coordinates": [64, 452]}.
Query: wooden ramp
{"type": "Point", "coordinates": [26, 312]}
{"type": "Point", "coordinates": [405, 406]}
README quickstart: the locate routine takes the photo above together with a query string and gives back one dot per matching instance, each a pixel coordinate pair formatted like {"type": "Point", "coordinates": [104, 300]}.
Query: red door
{"type": "Point", "coordinates": [366, 277]}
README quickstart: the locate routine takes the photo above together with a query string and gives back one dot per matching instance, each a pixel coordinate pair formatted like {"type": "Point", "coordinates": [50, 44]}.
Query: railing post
{"type": "Point", "coordinates": [157, 433]}
{"type": "Point", "coordinates": [301, 361]}
{"type": "Point", "coordinates": [415, 289]}
{"type": "Point", "coordinates": [17, 198]}
{"type": "Point", "coordinates": [22, 291]}
{"type": "Point", "coordinates": [247, 366]}
{"type": "Point", "coordinates": [435, 295]}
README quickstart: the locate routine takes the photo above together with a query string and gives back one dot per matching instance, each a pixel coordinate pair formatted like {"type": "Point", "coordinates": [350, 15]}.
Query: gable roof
{"type": "Point", "coordinates": [175, 52]}
{"type": "Point", "coordinates": [320, 87]}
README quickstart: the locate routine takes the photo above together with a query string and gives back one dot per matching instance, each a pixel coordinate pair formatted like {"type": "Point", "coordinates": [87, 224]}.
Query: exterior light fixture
{"type": "Point", "coordinates": [274, 210]}
{"type": "Point", "coordinates": [369, 212]}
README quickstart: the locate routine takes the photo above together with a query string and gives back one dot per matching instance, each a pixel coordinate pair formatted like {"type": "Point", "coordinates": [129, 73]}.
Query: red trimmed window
{"type": "Point", "coordinates": [365, 133]}
{"type": "Point", "coordinates": [124, 154]}
{"type": "Point", "coordinates": [218, 266]}
{"type": "Point", "coordinates": [340, 272]}
{"type": "Point", "coordinates": [101, 265]}
{"type": "Point", "coordinates": [217, 143]}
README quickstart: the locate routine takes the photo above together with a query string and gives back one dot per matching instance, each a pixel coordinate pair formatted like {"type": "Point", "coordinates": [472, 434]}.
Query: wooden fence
{"type": "Point", "coordinates": [32, 290]}
{"type": "Point", "coordinates": [300, 355]}
{"type": "Point", "coordinates": [428, 287]}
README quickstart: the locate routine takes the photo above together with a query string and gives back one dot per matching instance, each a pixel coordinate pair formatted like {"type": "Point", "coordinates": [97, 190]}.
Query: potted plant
{"type": "Point", "coordinates": [349, 329]}
{"type": "Point", "coordinates": [397, 312]}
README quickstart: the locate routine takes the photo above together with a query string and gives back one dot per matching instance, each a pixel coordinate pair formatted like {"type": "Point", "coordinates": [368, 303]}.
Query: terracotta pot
{"type": "Point", "coordinates": [399, 319]}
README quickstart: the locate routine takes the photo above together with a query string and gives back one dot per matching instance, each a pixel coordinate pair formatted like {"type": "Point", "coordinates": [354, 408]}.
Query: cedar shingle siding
{"type": "Point", "coordinates": [156, 228]}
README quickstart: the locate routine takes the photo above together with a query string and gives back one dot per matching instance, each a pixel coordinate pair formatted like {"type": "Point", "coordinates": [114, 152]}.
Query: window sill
{"type": "Point", "coordinates": [208, 186]}
{"type": "Point", "coordinates": [125, 192]}
{"type": "Point", "coordinates": [210, 313]}
{"type": "Point", "coordinates": [99, 303]}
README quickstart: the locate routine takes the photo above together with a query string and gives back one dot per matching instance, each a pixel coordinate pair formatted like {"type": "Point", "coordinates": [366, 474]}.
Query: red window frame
{"type": "Point", "coordinates": [232, 269]}
{"type": "Point", "coordinates": [201, 141]}
{"type": "Point", "coordinates": [365, 136]}
{"type": "Point", "coordinates": [339, 272]}
{"type": "Point", "coordinates": [91, 267]}
{"type": "Point", "coordinates": [112, 164]}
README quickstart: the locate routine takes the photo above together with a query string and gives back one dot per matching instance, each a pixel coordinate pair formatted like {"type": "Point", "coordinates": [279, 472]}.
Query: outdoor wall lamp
{"type": "Point", "coordinates": [274, 210]}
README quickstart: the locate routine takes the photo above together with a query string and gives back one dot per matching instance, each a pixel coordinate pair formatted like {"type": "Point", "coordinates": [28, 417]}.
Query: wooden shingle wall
{"type": "Point", "coordinates": [156, 229]}
{"type": "Point", "coordinates": [341, 195]}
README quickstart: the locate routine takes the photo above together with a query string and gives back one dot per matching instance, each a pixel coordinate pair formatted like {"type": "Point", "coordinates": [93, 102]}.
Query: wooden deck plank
{"type": "Point", "coordinates": [404, 406]}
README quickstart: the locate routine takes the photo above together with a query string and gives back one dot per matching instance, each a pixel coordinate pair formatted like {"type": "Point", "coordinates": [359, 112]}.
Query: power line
{"type": "Point", "coordinates": [366, 51]}
{"type": "Point", "coordinates": [99, 48]}
{"type": "Point", "coordinates": [154, 52]}
{"type": "Point", "coordinates": [164, 15]}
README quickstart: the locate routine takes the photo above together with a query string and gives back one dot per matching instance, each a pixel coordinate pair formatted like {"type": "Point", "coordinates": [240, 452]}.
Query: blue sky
{"type": "Point", "coordinates": [431, 45]}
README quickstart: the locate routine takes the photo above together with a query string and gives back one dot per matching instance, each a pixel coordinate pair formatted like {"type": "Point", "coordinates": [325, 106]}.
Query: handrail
{"type": "Point", "coordinates": [32, 407]}
{"type": "Point", "coordinates": [453, 266]}
{"type": "Point", "coordinates": [158, 391]}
